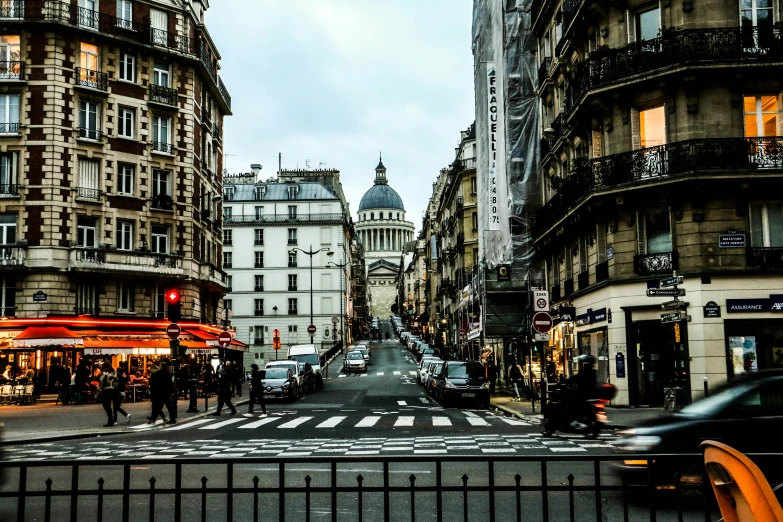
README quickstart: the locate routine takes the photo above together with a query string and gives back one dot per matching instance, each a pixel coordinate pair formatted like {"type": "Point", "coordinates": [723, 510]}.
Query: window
{"type": "Point", "coordinates": [259, 212]}
{"type": "Point", "coordinates": [582, 254]}
{"type": "Point", "coordinates": [159, 302]}
{"type": "Point", "coordinates": [648, 25]}
{"type": "Point", "coordinates": [555, 270]}
{"type": "Point", "coordinates": [228, 259]}
{"type": "Point", "coordinates": [89, 59]}
{"type": "Point", "coordinates": [125, 296]}
{"type": "Point", "coordinates": [761, 116]}
{"type": "Point", "coordinates": [652, 127]}
{"type": "Point", "coordinates": [292, 259]}
{"type": "Point", "coordinates": [127, 67]}
{"type": "Point", "coordinates": [292, 212]}
{"type": "Point", "coordinates": [475, 257]}
{"type": "Point", "coordinates": [756, 20]}
{"type": "Point", "coordinates": [258, 283]}
{"type": "Point", "coordinates": [473, 185]}
{"type": "Point", "coordinates": [655, 235]}
{"type": "Point", "coordinates": [259, 260]}
{"type": "Point", "coordinates": [8, 297]}
{"type": "Point", "coordinates": [127, 119]}
{"type": "Point", "coordinates": [86, 232]}
{"type": "Point", "coordinates": [89, 120]}
{"type": "Point", "coordinates": [11, 9]}
{"type": "Point", "coordinates": [125, 14]}
{"type": "Point", "coordinates": [292, 306]}
{"type": "Point", "coordinates": [259, 236]}
{"type": "Point", "coordinates": [569, 263]}
{"type": "Point", "coordinates": [474, 217]}
{"type": "Point", "coordinates": [228, 236]}
{"type": "Point", "coordinates": [601, 242]}
{"type": "Point", "coordinates": [293, 191]}
{"type": "Point", "coordinates": [228, 304]}
{"type": "Point", "coordinates": [89, 179]}
{"type": "Point", "coordinates": [398, 216]}
{"type": "Point", "coordinates": [259, 307]}
{"type": "Point", "coordinates": [86, 298]}
{"type": "Point", "coordinates": [766, 225]}
{"type": "Point", "coordinates": [260, 192]}
{"type": "Point", "coordinates": [124, 235]}
{"type": "Point", "coordinates": [8, 166]}
{"type": "Point", "coordinates": [7, 229]}
{"type": "Point", "coordinates": [227, 213]}
{"type": "Point", "coordinates": [125, 179]}
{"type": "Point", "coordinates": [9, 113]}
{"type": "Point", "coordinates": [292, 282]}
{"type": "Point", "coordinates": [291, 328]}
{"type": "Point", "coordinates": [159, 22]}
{"type": "Point", "coordinates": [258, 335]}
{"type": "Point", "coordinates": [161, 134]}
{"type": "Point", "coordinates": [230, 282]}
{"type": "Point", "coordinates": [372, 216]}
{"type": "Point", "coordinates": [10, 65]}
{"type": "Point", "coordinates": [291, 236]}
{"type": "Point", "coordinates": [380, 215]}
{"type": "Point", "coordinates": [161, 75]}
{"type": "Point", "coordinates": [160, 239]}
{"type": "Point", "coordinates": [160, 183]}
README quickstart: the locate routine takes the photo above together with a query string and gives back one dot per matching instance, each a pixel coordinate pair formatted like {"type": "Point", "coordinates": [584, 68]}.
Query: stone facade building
{"type": "Point", "coordinates": [662, 154]}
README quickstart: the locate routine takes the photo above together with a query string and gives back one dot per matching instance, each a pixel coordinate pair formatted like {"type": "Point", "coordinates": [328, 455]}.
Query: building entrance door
{"type": "Point", "coordinates": [658, 362]}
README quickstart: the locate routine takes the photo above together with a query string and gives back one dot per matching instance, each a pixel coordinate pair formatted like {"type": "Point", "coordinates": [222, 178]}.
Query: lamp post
{"type": "Point", "coordinates": [311, 253]}
{"type": "Point", "coordinates": [341, 266]}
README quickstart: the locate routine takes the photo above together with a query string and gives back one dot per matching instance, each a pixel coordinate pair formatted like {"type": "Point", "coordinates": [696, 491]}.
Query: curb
{"type": "Point", "coordinates": [521, 416]}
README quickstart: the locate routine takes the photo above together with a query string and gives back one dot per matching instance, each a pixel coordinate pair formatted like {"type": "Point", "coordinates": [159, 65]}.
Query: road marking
{"type": "Point", "coordinates": [475, 420]}
{"type": "Point", "coordinates": [441, 421]}
{"type": "Point", "coordinates": [258, 423]}
{"type": "Point", "coordinates": [294, 423]}
{"type": "Point", "coordinates": [363, 375]}
{"type": "Point", "coordinates": [404, 420]}
{"type": "Point", "coordinates": [189, 424]}
{"type": "Point", "coordinates": [397, 373]}
{"type": "Point", "coordinates": [367, 422]}
{"type": "Point", "coordinates": [331, 422]}
{"type": "Point", "coordinates": [221, 424]}
{"type": "Point", "coordinates": [402, 403]}
{"type": "Point", "coordinates": [379, 373]}
{"type": "Point", "coordinates": [514, 422]}
{"type": "Point", "coordinates": [341, 375]}
{"type": "Point", "coordinates": [411, 372]}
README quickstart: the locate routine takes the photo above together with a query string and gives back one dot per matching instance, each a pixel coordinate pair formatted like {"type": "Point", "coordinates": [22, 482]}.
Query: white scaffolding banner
{"type": "Point", "coordinates": [495, 147]}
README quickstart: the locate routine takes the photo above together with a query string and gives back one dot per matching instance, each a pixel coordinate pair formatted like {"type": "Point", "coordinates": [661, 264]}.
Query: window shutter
{"type": "Point", "coordinates": [636, 132]}
{"type": "Point", "coordinates": [598, 147]}
{"type": "Point", "coordinates": [641, 242]}
{"type": "Point", "coordinates": [630, 20]}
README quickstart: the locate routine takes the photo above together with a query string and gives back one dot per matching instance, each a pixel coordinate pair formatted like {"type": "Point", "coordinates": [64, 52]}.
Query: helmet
{"type": "Point", "coordinates": [585, 360]}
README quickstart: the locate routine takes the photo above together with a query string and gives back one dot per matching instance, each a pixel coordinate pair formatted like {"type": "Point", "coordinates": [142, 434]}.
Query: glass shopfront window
{"type": "Point", "coordinates": [596, 343]}
{"type": "Point", "coordinates": [754, 345]}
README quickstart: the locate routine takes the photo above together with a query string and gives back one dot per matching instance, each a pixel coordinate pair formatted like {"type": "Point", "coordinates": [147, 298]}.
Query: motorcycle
{"type": "Point", "coordinates": [581, 417]}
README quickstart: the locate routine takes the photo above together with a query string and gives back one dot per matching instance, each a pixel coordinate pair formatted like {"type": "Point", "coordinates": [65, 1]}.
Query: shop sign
{"type": "Point", "coordinates": [474, 334]}
{"type": "Point", "coordinates": [672, 317]}
{"type": "Point", "coordinates": [731, 241]}
{"type": "Point", "coordinates": [544, 338]}
{"type": "Point", "coordinates": [39, 296]}
{"type": "Point", "coordinates": [591, 316]}
{"type": "Point", "coordinates": [567, 314]}
{"type": "Point", "coordinates": [738, 306]}
{"type": "Point", "coordinates": [619, 363]}
{"type": "Point", "coordinates": [201, 351]}
{"type": "Point", "coordinates": [497, 150]}
{"type": "Point", "coordinates": [711, 309]}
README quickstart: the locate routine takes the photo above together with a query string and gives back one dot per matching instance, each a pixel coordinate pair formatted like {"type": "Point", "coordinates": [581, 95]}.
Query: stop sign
{"type": "Point", "coordinates": [224, 339]}
{"type": "Point", "coordinates": [542, 322]}
{"type": "Point", "coordinates": [311, 329]}
{"type": "Point", "coordinates": [173, 330]}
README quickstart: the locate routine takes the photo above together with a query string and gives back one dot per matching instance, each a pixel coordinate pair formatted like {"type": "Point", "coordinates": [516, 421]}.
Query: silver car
{"type": "Point", "coordinates": [421, 371]}
{"type": "Point", "coordinates": [354, 362]}
{"type": "Point", "coordinates": [278, 383]}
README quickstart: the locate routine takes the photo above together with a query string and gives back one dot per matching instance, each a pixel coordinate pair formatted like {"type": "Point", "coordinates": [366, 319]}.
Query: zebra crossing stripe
{"type": "Point", "coordinates": [411, 372]}
{"type": "Point", "coordinates": [189, 424]}
{"type": "Point", "coordinates": [475, 420]}
{"type": "Point", "coordinates": [441, 421]}
{"type": "Point", "coordinates": [514, 422]}
{"type": "Point", "coordinates": [341, 375]}
{"type": "Point", "coordinates": [258, 423]}
{"type": "Point", "coordinates": [379, 374]}
{"type": "Point", "coordinates": [402, 403]}
{"type": "Point", "coordinates": [331, 422]}
{"type": "Point", "coordinates": [397, 373]}
{"type": "Point", "coordinates": [363, 375]}
{"type": "Point", "coordinates": [404, 420]}
{"type": "Point", "coordinates": [367, 422]}
{"type": "Point", "coordinates": [294, 423]}
{"type": "Point", "coordinates": [221, 424]}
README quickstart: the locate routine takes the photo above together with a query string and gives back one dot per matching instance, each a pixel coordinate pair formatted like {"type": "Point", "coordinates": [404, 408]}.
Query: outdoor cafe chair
{"type": "Point", "coordinates": [6, 393]}
{"type": "Point", "coordinates": [27, 394]}
{"type": "Point", "coordinates": [18, 392]}
{"type": "Point", "coordinates": [742, 491]}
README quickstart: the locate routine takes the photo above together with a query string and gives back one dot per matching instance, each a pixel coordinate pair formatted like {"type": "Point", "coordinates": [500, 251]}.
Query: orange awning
{"type": "Point", "coordinates": [98, 346]}
{"type": "Point", "coordinates": [40, 336]}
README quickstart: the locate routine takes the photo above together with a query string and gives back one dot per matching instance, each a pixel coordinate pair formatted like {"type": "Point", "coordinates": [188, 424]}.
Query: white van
{"type": "Point", "coordinates": [308, 353]}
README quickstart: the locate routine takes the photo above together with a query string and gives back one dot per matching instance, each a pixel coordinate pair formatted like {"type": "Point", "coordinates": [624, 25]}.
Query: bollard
{"type": "Point", "coordinates": [706, 387]}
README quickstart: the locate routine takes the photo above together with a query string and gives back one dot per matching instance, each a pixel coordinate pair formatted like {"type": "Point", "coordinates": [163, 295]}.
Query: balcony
{"type": "Point", "coordinates": [583, 280]}
{"type": "Point", "coordinates": [11, 70]}
{"type": "Point", "coordinates": [9, 128]}
{"type": "Point", "coordinates": [292, 241]}
{"type": "Point", "coordinates": [164, 95]}
{"type": "Point", "coordinates": [216, 131]}
{"type": "Point", "coordinates": [258, 313]}
{"type": "Point", "coordinates": [206, 121]}
{"type": "Point", "coordinates": [88, 193]}
{"type": "Point", "coordinates": [11, 256]}
{"type": "Point", "coordinates": [174, 41]}
{"type": "Point", "coordinates": [91, 310]}
{"type": "Point", "coordinates": [257, 264]}
{"type": "Point", "coordinates": [213, 274]}
{"type": "Point", "coordinates": [91, 259]}
{"type": "Point", "coordinates": [602, 271]}
{"type": "Point", "coordinates": [161, 202]}
{"type": "Point", "coordinates": [90, 134]}
{"type": "Point", "coordinates": [568, 288]}
{"type": "Point", "coordinates": [92, 79]}
{"type": "Point", "coordinates": [765, 258]}
{"type": "Point", "coordinates": [653, 163]}
{"type": "Point", "coordinates": [655, 264]}
{"type": "Point", "coordinates": [673, 48]}
{"type": "Point", "coordinates": [162, 147]}
{"type": "Point", "coordinates": [284, 218]}
{"type": "Point", "coordinates": [211, 69]}
{"type": "Point", "coordinates": [543, 71]}
{"type": "Point", "coordinates": [460, 202]}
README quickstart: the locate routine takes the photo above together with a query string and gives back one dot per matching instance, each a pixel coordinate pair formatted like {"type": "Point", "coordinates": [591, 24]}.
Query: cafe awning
{"type": "Point", "coordinates": [103, 346]}
{"type": "Point", "coordinates": [43, 336]}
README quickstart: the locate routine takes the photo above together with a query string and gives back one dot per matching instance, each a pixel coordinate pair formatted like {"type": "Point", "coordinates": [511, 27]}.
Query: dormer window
{"type": "Point", "coordinates": [228, 193]}
{"type": "Point", "coordinates": [293, 191]}
{"type": "Point", "coordinates": [260, 192]}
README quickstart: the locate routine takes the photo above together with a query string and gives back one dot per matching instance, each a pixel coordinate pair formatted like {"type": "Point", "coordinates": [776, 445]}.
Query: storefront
{"type": "Point", "coordinates": [593, 339]}
{"type": "Point", "coordinates": [754, 344]}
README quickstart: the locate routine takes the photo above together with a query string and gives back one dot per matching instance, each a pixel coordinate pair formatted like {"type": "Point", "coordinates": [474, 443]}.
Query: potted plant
{"type": "Point", "coordinates": [747, 359]}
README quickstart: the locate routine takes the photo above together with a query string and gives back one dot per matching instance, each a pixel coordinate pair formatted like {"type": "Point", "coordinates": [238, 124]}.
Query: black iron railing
{"type": "Point", "coordinates": [167, 95]}
{"type": "Point", "coordinates": [602, 271]}
{"type": "Point", "coordinates": [162, 202]}
{"type": "Point", "coordinates": [88, 193]}
{"type": "Point", "coordinates": [649, 164]}
{"type": "Point", "coordinates": [9, 128]}
{"type": "Point", "coordinates": [258, 288]}
{"type": "Point", "coordinates": [543, 71]}
{"type": "Point", "coordinates": [209, 65]}
{"type": "Point", "coordinates": [284, 218]}
{"type": "Point", "coordinates": [206, 120]}
{"type": "Point", "coordinates": [90, 134]}
{"type": "Point", "coordinates": [170, 40]}
{"type": "Point", "coordinates": [89, 255]}
{"type": "Point", "coordinates": [583, 280]}
{"type": "Point", "coordinates": [766, 258]}
{"type": "Point", "coordinates": [90, 310]}
{"type": "Point", "coordinates": [223, 91]}
{"type": "Point", "coordinates": [673, 48]}
{"type": "Point", "coordinates": [9, 189]}
{"type": "Point", "coordinates": [11, 70]}
{"type": "Point", "coordinates": [162, 146]}
{"type": "Point", "coordinates": [92, 79]}
{"type": "Point", "coordinates": [570, 8]}
{"type": "Point", "coordinates": [655, 264]}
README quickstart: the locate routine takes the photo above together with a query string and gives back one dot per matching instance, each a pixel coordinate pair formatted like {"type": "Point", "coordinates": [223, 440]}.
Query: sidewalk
{"type": "Point", "coordinates": [619, 418]}
{"type": "Point", "coordinates": [48, 422]}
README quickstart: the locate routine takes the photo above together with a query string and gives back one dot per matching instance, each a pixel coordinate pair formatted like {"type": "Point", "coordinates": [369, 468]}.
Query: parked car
{"type": "Point", "coordinates": [404, 336]}
{"type": "Point", "coordinates": [278, 382]}
{"type": "Point", "coordinates": [295, 371]}
{"type": "Point", "coordinates": [462, 382]}
{"type": "Point", "coordinates": [425, 350]}
{"type": "Point", "coordinates": [364, 351]}
{"type": "Point", "coordinates": [354, 362]}
{"type": "Point", "coordinates": [309, 353]}
{"type": "Point", "coordinates": [411, 341]}
{"type": "Point", "coordinates": [423, 370]}
{"type": "Point", "coordinates": [433, 373]}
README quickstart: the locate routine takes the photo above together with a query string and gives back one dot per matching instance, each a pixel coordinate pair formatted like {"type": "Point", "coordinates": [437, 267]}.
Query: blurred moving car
{"type": "Point", "coordinates": [278, 383]}
{"type": "Point", "coordinates": [354, 362]}
{"type": "Point", "coordinates": [462, 382]}
{"type": "Point", "coordinates": [746, 414]}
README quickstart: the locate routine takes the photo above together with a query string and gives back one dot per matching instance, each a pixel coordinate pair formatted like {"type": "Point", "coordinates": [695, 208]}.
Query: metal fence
{"type": "Point", "coordinates": [494, 488]}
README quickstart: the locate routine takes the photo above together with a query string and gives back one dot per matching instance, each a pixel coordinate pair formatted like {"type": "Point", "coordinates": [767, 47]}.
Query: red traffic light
{"type": "Point", "coordinates": [172, 297]}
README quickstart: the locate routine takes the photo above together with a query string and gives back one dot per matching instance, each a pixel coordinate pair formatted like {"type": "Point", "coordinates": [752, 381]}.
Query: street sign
{"type": "Point", "coordinates": [670, 305]}
{"type": "Point", "coordinates": [311, 329]}
{"type": "Point", "coordinates": [335, 320]}
{"type": "Point", "coordinates": [670, 281]}
{"type": "Point", "coordinates": [665, 292]}
{"type": "Point", "coordinates": [542, 322]}
{"type": "Point", "coordinates": [540, 300]}
{"type": "Point", "coordinates": [224, 339]}
{"type": "Point", "coordinates": [173, 330]}
{"type": "Point", "coordinates": [275, 333]}
{"type": "Point", "coordinates": [542, 337]}
{"type": "Point", "coordinates": [39, 296]}
{"type": "Point", "coordinates": [672, 317]}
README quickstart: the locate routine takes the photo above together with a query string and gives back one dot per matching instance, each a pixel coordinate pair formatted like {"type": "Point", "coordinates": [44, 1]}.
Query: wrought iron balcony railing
{"type": "Point", "coordinates": [9, 128]}
{"type": "Point", "coordinates": [543, 71]}
{"type": "Point", "coordinates": [649, 164]}
{"type": "Point", "coordinates": [162, 146]}
{"type": "Point", "coordinates": [166, 95]}
{"type": "Point", "coordinates": [673, 48]}
{"type": "Point", "coordinates": [88, 193]}
{"type": "Point", "coordinates": [12, 255]}
{"type": "Point", "coordinates": [11, 70]}
{"type": "Point", "coordinates": [162, 202]}
{"type": "Point", "coordinates": [90, 134]}
{"type": "Point", "coordinates": [90, 310]}
{"type": "Point", "coordinates": [765, 258]}
{"type": "Point", "coordinates": [92, 79]}
{"type": "Point", "coordinates": [9, 189]}
{"type": "Point", "coordinates": [655, 264]}
{"type": "Point", "coordinates": [216, 131]}
{"type": "Point", "coordinates": [175, 41]}
{"type": "Point", "coordinates": [570, 8]}
{"type": "Point", "coordinates": [206, 120]}
{"type": "Point", "coordinates": [223, 91]}
{"type": "Point", "coordinates": [284, 218]}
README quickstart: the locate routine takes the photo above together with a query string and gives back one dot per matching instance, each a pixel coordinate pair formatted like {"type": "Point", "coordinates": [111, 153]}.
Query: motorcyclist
{"type": "Point", "coordinates": [574, 399]}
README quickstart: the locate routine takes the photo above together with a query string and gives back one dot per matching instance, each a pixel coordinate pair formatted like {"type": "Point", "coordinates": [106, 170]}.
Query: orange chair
{"type": "Point", "coordinates": [742, 491]}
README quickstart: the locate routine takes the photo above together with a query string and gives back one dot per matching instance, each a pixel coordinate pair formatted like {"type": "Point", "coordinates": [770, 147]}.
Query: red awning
{"type": "Point", "coordinates": [108, 346]}
{"type": "Point", "coordinates": [41, 336]}
{"type": "Point", "coordinates": [201, 334]}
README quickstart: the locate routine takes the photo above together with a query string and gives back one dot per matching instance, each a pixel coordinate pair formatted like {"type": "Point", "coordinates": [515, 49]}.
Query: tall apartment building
{"type": "Point", "coordinates": [111, 117]}
{"type": "Point", "coordinates": [269, 227]}
{"type": "Point", "coordinates": [662, 132]}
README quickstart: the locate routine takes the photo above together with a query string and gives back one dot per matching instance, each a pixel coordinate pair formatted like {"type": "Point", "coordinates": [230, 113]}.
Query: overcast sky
{"type": "Point", "coordinates": [337, 81]}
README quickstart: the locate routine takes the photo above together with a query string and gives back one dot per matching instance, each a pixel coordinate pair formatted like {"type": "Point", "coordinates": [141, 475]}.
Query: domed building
{"type": "Point", "coordinates": [383, 232]}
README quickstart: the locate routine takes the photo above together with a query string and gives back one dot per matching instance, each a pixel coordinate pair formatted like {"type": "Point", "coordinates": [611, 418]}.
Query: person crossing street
{"type": "Point", "coordinates": [256, 391]}
{"type": "Point", "coordinates": [224, 391]}
{"type": "Point", "coordinates": [108, 389]}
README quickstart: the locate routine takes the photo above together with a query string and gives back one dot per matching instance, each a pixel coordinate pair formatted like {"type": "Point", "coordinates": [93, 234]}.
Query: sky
{"type": "Point", "coordinates": [337, 81]}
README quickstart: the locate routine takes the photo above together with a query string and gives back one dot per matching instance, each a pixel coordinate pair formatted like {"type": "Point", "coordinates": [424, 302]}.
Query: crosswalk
{"type": "Point", "coordinates": [396, 373]}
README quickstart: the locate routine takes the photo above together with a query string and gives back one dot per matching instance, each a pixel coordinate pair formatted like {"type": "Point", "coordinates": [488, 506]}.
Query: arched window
{"type": "Point", "coordinates": [380, 215]}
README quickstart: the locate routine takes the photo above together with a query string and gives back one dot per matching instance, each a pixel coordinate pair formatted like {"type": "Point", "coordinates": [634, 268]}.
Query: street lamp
{"type": "Point", "coordinates": [341, 266]}
{"type": "Point", "coordinates": [311, 253]}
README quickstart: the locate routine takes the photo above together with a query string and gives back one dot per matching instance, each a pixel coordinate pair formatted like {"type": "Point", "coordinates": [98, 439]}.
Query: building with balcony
{"type": "Point", "coordinates": [273, 284]}
{"type": "Point", "coordinates": [661, 154]}
{"type": "Point", "coordinates": [109, 172]}
{"type": "Point", "coordinates": [382, 230]}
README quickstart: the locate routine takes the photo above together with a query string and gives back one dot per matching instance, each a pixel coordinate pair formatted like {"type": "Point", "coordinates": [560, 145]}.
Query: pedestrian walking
{"type": "Point", "coordinates": [209, 377]}
{"type": "Point", "coordinates": [236, 377]}
{"type": "Point", "coordinates": [122, 388]}
{"type": "Point", "coordinates": [515, 374]}
{"type": "Point", "coordinates": [108, 389]}
{"type": "Point", "coordinates": [256, 391]}
{"type": "Point", "coordinates": [80, 381]}
{"type": "Point", "coordinates": [171, 402]}
{"type": "Point", "coordinates": [65, 384]}
{"type": "Point", "coordinates": [224, 391]}
{"type": "Point", "coordinates": [182, 380]}
{"type": "Point", "coordinates": [160, 391]}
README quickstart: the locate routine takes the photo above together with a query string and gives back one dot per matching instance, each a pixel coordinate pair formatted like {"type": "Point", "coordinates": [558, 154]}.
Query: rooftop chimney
{"type": "Point", "coordinates": [256, 168]}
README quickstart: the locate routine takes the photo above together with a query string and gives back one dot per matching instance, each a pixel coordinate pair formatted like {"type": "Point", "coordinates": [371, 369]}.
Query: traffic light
{"type": "Point", "coordinates": [174, 305]}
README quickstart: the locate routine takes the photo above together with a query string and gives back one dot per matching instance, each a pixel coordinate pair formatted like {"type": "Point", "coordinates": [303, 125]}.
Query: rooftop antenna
{"type": "Point", "coordinates": [279, 163]}
{"type": "Point", "coordinates": [307, 164]}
